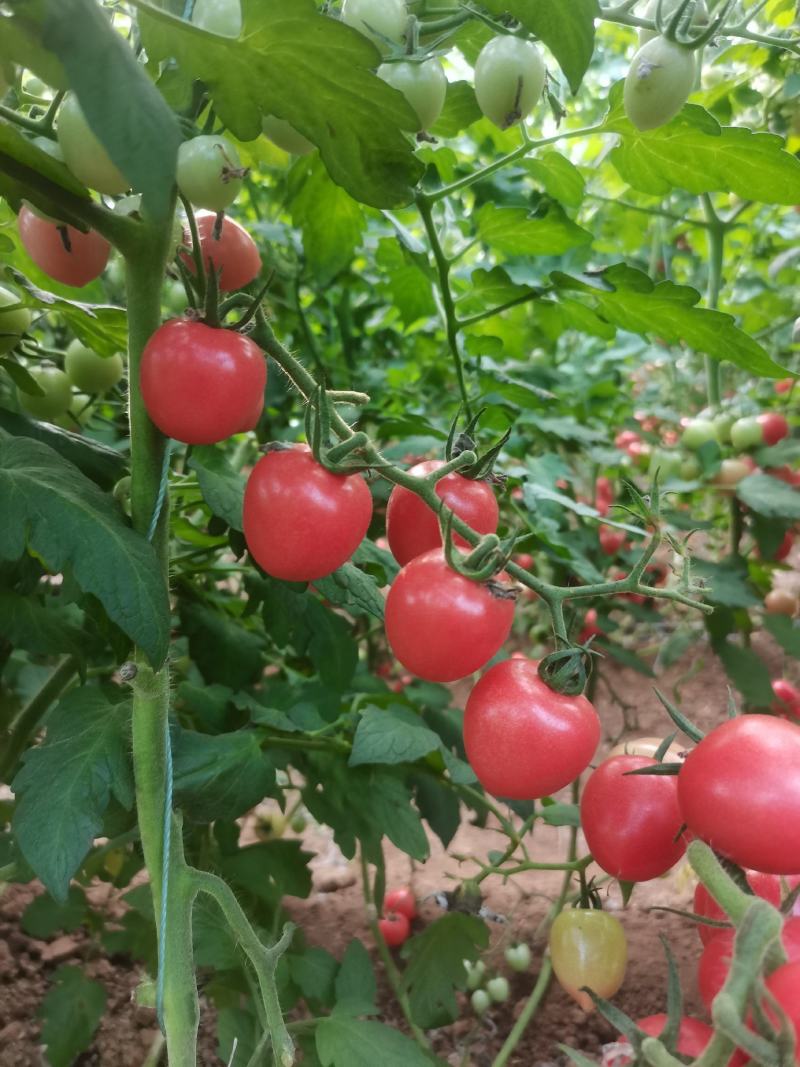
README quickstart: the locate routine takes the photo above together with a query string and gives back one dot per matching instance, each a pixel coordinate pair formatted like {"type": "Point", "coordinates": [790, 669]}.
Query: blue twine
{"type": "Point", "coordinates": [167, 828]}
{"type": "Point", "coordinates": [188, 9]}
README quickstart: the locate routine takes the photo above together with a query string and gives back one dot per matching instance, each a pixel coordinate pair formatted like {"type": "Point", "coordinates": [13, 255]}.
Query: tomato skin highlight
{"type": "Point", "coordinates": [522, 739]}
{"type": "Point", "coordinates": [301, 521]}
{"type": "Point", "coordinates": [440, 625]}
{"type": "Point", "coordinates": [200, 384]}
{"type": "Point", "coordinates": [234, 254]}
{"type": "Point", "coordinates": [658, 83]}
{"type": "Point", "coordinates": [402, 901]}
{"type": "Point", "coordinates": [588, 948]}
{"type": "Point", "coordinates": [632, 822]}
{"type": "Point", "coordinates": [413, 528]}
{"type": "Point", "coordinates": [739, 791]}
{"type": "Point", "coordinates": [509, 79]}
{"type": "Point", "coordinates": [87, 256]}
{"type": "Point", "coordinates": [394, 928]}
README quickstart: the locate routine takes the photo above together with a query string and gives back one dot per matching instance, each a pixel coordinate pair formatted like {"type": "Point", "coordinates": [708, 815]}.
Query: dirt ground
{"type": "Point", "coordinates": [334, 913]}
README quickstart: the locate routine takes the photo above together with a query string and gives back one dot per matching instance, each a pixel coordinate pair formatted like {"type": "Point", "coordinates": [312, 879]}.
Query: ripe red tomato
{"type": "Point", "coordinates": [611, 541]}
{"type": "Point", "coordinates": [625, 438]}
{"type": "Point", "coordinates": [783, 385]}
{"type": "Point", "coordinates": [784, 985]}
{"type": "Point", "coordinates": [588, 948]}
{"type": "Point", "coordinates": [201, 384]}
{"type": "Point", "coordinates": [783, 474]}
{"type": "Point", "coordinates": [524, 740]}
{"type": "Point", "coordinates": [767, 886]}
{"type": "Point", "coordinates": [301, 521]}
{"type": "Point", "coordinates": [394, 928]}
{"type": "Point", "coordinates": [739, 790]}
{"type": "Point", "coordinates": [693, 1035]}
{"type": "Point", "coordinates": [413, 528]}
{"type": "Point", "coordinates": [785, 547]}
{"type": "Point", "coordinates": [402, 901]}
{"type": "Point", "coordinates": [780, 602]}
{"type": "Point", "coordinates": [590, 627]}
{"type": "Point", "coordinates": [603, 495]}
{"type": "Point", "coordinates": [442, 626]}
{"type": "Point", "coordinates": [715, 959]}
{"type": "Point", "coordinates": [61, 251]}
{"type": "Point", "coordinates": [233, 253]}
{"type": "Point", "coordinates": [774, 427]}
{"type": "Point", "coordinates": [632, 822]}
{"type": "Point", "coordinates": [788, 699]}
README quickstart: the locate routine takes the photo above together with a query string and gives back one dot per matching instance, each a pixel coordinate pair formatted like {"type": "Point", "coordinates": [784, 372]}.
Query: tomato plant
{"type": "Point", "coordinates": [413, 528]}
{"type": "Point", "coordinates": [523, 739]}
{"type": "Point", "coordinates": [62, 252]}
{"type": "Point", "coordinates": [588, 949]}
{"type": "Point", "coordinates": [201, 384]}
{"type": "Point", "coordinates": [209, 172]}
{"type": "Point", "coordinates": [658, 83]}
{"type": "Point", "coordinates": [228, 249]}
{"type": "Point", "coordinates": [509, 79]}
{"type": "Point", "coordinates": [381, 20]}
{"type": "Point", "coordinates": [301, 521]}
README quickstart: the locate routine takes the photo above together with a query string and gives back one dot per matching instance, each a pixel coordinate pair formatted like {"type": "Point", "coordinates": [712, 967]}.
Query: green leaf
{"type": "Point", "coordinates": [728, 582]}
{"type": "Point", "coordinates": [221, 776]}
{"type": "Point", "coordinates": [516, 232]}
{"type": "Point", "coordinates": [631, 301]}
{"type": "Point", "coordinates": [561, 178]}
{"type": "Point", "coordinates": [356, 988]}
{"type": "Point", "coordinates": [122, 106]}
{"type": "Point", "coordinates": [394, 735]}
{"type": "Point", "coordinates": [222, 487]}
{"type": "Point", "coordinates": [45, 916]}
{"type": "Point", "coordinates": [350, 588]}
{"type": "Point", "coordinates": [695, 153]}
{"type": "Point", "coordinates": [222, 648]}
{"type": "Point", "coordinates": [747, 671]}
{"type": "Point", "coordinates": [769, 497]}
{"type": "Point", "coordinates": [561, 814]}
{"type": "Point", "coordinates": [21, 149]}
{"type": "Point", "coordinates": [313, 71]}
{"type": "Point", "coordinates": [785, 633]}
{"type": "Point", "coordinates": [331, 221]}
{"type": "Point", "coordinates": [403, 283]}
{"type": "Point", "coordinates": [71, 1012]}
{"type": "Point", "coordinates": [343, 1041]}
{"type": "Point", "coordinates": [48, 506]}
{"type": "Point", "coordinates": [40, 628]}
{"type": "Point", "coordinates": [460, 110]}
{"type": "Point", "coordinates": [65, 784]}
{"type": "Point", "coordinates": [566, 28]}
{"type": "Point", "coordinates": [439, 807]}
{"type": "Point", "coordinates": [21, 44]}
{"type": "Point", "coordinates": [20, 376]}
{"type": "Point", "coordinates": [271, 870]}
{"type": "Point", "coordinates": [314, 973]}
{"type": "Point", "coordinates": [436, 966]}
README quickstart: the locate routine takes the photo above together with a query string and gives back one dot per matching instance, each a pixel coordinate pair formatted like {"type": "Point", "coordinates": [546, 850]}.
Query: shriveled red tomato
{"type": "Point", "coordinates": [402, 901]}
{"type": "Point", "coordinates": [61, 251]}
{"type": "Point", "coordinates": [302, 521]}
{"type": "Point", "coordinates": [715, 959]}
{"type": "Point", "coordinates": [788, 699]}
{"type": "Point", "coordinates": [201, 384]}
{"type": "Point", "coordinates": [588, 948]}
{"type": "Point", "coordinates": [441, 625]}
{"type": "Point", "coordinates": [394, 928]}
{"type": "Point", "coordinates": [632, 822]}
{"type": "Point", "coordinates": [739, 790]}
{"type": "Point", "coordinates": [233, 253]}
{"type": "Point", "coordinates": [524, 740]}
{"type": "Point", "coordinates": [767, 886]}
{"type": "Point", "coordinates": [413, 528]}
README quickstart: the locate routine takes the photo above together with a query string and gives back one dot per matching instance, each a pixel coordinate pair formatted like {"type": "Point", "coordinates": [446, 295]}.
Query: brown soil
{"type": "Point", "coordinates": [334, 913]}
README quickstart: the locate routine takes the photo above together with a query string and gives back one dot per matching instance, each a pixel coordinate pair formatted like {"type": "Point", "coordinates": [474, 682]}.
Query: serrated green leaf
{"type": "Point", "coordinates": [40, 628]}
{"type": "Point", "coordinates": [220, 776]}
{"type": "Point", "coordinates": [313, 71]}
{"type": "Point", "coordinates": [566, 29]}
{"type": "Point", "coordinates": [71, 1012]}
{"type": "Point", "coordinates": [391, 809]}
{"type": "Point", "coordinates": [460, 110]}
{"type": "Point", "coordinates": [693, 152]}
{"type": "Point", "coordinates": [439, 807]}
{"type": "Point", "coordinates": [349, 587]}
{"type": "Point", "coordinates": [314, 973]}
{"type": "Point", "coordinates": [47, 505]}
{"type": "Point", "coordinates": [394, 735]}
{"type": "Point", "coordinates": [727, 582]}
{"type": "Point", "coordinates": [65, 784]}
{"type": "Point", "coordinates": [769, 497]}
{"type": "Point", "coordinates": [343, 1041]}
{"type": "Point", "coordinates": [560, 177]}
{"type": "Point", "coordinates": [331, 222]}
{"type": "Point", "coordinates": [356, 987]}
{"type": "Point", "coordinates": [222, 487]}
{"type": "Point", "coordinates": [436, 966]}
{"type": "Point", "coordinates": [223, 649]}
{"type": "Point", "coordinates": [271, 870]}
{"type": "Point", "coordinates": [515, 232]}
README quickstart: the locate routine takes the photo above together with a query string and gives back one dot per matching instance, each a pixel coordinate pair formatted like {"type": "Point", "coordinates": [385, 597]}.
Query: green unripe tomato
{"type": "Point", "coordinates": [588, 948]}
{"type": "Point", "coordinates": [173, 298]}
{"type": "Point", "coordinates": [509, 79]}
{"type": "Point", "coordinates": [285, 136]}
{"type": "Point", "coordinates": [723, 424]}
{"type": "Point", "coordinates": [658, 83]}
{"type": "Point", "coordinates": [698, 432]}
{"type": "Point", "coordinates": [746, 433]}
{"type": "Point", "coordinates": [209, 172]}
{"type": "Point", "coordinates": [298, 823]}
{"type": "Point", "coordinates": [78, 414]}
{"type": "Point", "coordinates": [480, 1001]}
{"type": "Point", "coordinates": [377, 19]}
{"type": "Point", "coordinates": [14, 323]}
{"type": "Point", "coordinates": [668, 464]}
{"type": "Point", "coordinates": [84, 154]}
{"type": "Point", "coordinates": [498, 989]}
{"type": "Point", "coordinates": [132, 205]}
{"type": "Point", "coordinates": [91, 372]}
{"type": "Point", "coordinates": [223, 17]}
{"type": "Point", "coordinates": [424, 86]}
{"type": "Point", "coordinates": [669, 7]}
{"type": "Point", "coordinates": [691, 469]}
{"type": "Point", "coordinates": [475, 972]}
{"type": "Point", "coordinates": [57, 393]}
{"type": "Point", "coordinates": [518, 957]}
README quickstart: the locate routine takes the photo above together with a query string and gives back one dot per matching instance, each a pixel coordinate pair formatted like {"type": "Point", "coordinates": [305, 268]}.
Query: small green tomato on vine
{"type": "Point", "coordinates": [658, 84]}
{"type": "Point", "coordinates": [509, 79]}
